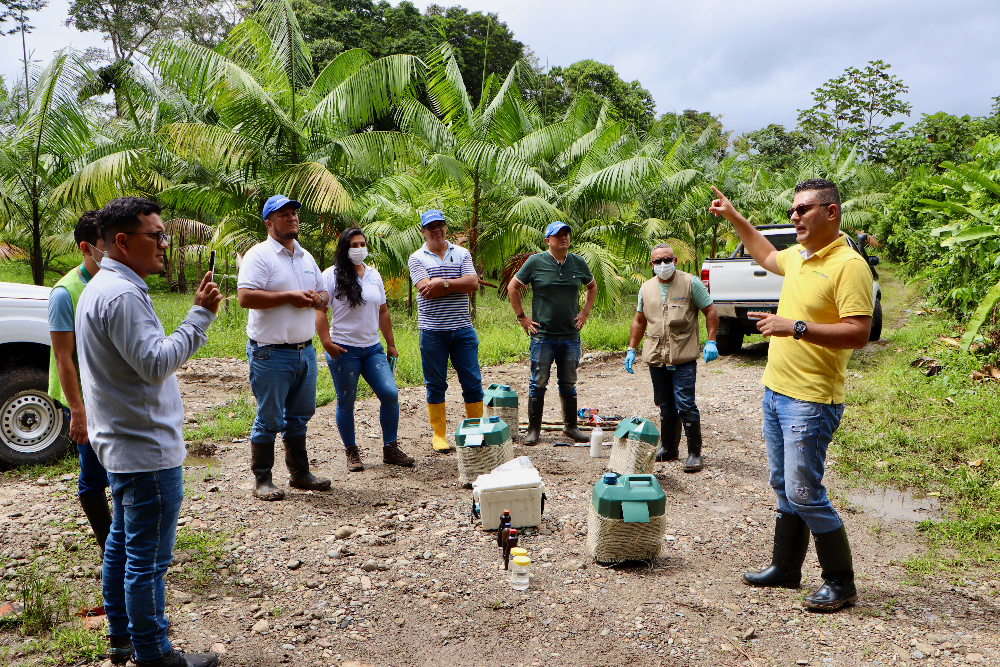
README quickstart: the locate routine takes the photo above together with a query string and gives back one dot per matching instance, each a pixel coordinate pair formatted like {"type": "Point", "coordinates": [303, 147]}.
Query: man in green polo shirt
{"type": "Point", "coordinates": [64, 372]}
{"type": "Point", "coordinates": [555, 276]}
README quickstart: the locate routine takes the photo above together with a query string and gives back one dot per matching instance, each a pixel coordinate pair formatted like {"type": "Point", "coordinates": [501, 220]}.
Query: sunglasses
{"type": "Point", "coordinates": [439, 224]}
{"type": "Point", "coordinates": [802, 208]}
{"type": "Point", "coordinates": [161, 237]}
{"type": "Point", "coordinates": [664, 260]}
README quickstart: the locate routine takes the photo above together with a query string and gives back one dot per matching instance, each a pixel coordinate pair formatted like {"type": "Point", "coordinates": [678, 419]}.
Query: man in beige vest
{"type": "Point", "coordinates": [667, 314]}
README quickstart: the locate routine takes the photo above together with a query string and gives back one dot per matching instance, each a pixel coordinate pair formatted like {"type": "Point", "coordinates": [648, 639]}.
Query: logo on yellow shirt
{"type": "Point", "coordinates": [820, 274]}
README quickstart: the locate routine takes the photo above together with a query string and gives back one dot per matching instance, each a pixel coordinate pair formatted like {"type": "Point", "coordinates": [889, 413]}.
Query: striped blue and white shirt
{"type": "Point", "coordinates": [451, 311]}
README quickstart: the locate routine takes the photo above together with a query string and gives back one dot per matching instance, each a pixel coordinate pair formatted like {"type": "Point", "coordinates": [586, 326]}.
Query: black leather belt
{"type": "Point", "coordinates": [284, 346]}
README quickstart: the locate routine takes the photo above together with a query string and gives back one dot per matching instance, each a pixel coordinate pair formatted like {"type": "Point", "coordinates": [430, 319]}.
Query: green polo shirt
{"type": "Point", "coordinates": [555, 292]}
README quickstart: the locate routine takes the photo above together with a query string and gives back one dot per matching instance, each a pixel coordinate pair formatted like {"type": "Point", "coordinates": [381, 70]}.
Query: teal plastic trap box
{"type": "Point", "coordinates": [479, 432]}
{"type": "Point", "coordinates": [500, 396]}
{"type": "Point", "coordinates": [637, 428]}
{"type": "Point", "coordinates": [633, 498]}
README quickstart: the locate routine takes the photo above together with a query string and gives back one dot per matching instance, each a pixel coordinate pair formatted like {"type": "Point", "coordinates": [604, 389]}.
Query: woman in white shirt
{"type": "Point", "coordinates": [359, 312]}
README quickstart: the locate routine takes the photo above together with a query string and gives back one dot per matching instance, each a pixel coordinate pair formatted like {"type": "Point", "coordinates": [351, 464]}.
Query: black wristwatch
{"type": "Point", "coordinates": [799, 328]}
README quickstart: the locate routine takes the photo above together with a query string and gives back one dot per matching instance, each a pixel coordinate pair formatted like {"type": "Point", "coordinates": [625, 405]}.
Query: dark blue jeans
{"type": "Point", "coordinates": [93, 477]}
{"type": "Point", "coordinates": [371, 364]}
{"type": "Point", "coordinates": [797, 434]}
{"type": "Point", "coordinates": [284, 384]}
{"type": "Point", "coordinates": [673, 391]}
{"type": "Point", "coordinates": [565, 352]}
{"type": "Point", "coordinates": [462, 347]}
{"type": "Point", "coordinates": [136, 556]}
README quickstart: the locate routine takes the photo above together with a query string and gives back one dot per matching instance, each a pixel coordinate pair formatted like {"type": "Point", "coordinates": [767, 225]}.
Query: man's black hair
{"type": "Point", "coordinates": [828, 191]}
{"type": "Point", "coordinates": [88, 228]}
{"type": "Point", "coordinates": [122, 215]}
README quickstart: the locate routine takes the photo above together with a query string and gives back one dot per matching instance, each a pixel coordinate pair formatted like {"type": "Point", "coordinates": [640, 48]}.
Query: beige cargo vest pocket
{"type": "Point", "coordinates": [671, 330]}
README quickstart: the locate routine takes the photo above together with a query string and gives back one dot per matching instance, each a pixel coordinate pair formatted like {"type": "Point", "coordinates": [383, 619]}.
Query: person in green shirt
{"type": "Point", "coordinates": [64, 372]}
{"type": "Point", "coordinates": [555, 277]}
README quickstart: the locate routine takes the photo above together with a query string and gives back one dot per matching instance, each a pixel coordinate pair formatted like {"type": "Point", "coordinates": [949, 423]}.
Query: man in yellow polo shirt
{"type": "Point", "coordinates": [824, 312]}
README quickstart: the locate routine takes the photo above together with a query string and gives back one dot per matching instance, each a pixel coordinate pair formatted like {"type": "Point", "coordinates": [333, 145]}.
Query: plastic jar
{"type": "Point", "coordinates": [519, 575]}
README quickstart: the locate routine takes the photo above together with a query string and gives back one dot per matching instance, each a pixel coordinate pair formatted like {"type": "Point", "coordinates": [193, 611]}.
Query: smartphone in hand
{"type": "Point", "coordinates": [392, 364]}
{"type": "Point", "coordinates": [211, 265]}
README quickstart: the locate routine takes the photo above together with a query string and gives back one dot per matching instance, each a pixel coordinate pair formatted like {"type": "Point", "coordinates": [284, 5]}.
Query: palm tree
{"type": "Point", "coordinates": [258, 122]}
{"type": "Point", "coordinates": [37, 156]}
{"type": "Point", "coordinates": [492, 154]}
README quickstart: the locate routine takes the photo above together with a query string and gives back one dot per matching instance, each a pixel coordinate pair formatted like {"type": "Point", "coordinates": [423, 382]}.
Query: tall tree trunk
{"type": "Point", "coordinates": [474, 238]}
{"type": "Point", "coordinates": [167, 256]}
{"type": "Point", "coordinates": [37, 274]}
{"type": "Point", "coordinates": [181, 278]}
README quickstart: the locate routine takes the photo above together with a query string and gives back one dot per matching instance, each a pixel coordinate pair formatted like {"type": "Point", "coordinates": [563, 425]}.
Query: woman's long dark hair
{"type": "Point", "coordinates": [348, 285]}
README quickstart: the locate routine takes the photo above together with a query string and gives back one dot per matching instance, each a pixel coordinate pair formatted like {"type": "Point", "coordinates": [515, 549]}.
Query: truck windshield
{"type": "Point", "coordinates": [779, 241]}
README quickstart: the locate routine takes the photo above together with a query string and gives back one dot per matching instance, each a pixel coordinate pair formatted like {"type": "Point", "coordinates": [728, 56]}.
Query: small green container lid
{"type": "Point", "coordinates": [477, 432]}
{"type": "Point", "coordinates": [500, 396]}
{"type": "Point", "coordinates": [637, 428]}
{"type": "Point", "coordinates": [633, 498]}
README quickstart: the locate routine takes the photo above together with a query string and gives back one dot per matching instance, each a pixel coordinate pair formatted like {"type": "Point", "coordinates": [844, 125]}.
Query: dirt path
{"type": "Point", "coordinates": [417, 584]}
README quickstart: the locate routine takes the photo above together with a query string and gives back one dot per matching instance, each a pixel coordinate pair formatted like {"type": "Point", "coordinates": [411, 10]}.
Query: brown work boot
{"type": "Point", "coordinates": [354, 463]}
{"type": "Point", "coordinates": [394, 456]}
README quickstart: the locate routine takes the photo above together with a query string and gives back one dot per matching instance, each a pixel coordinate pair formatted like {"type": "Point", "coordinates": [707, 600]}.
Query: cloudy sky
{"type": "Point", "coordinates": [753, 62]}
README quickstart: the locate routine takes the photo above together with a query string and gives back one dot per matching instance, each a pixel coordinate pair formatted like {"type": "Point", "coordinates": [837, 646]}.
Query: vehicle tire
{"type": "Point", "coordinates": [32, 427]}
{"type": "Point", "coordinates": [876, 331]}
{"type": "Point", "coordinates": [731, 342]}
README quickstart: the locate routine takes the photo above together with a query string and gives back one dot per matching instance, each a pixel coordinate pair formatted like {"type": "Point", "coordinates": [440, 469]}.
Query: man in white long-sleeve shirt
{"type": "Point", "coordinates": [134, 418]}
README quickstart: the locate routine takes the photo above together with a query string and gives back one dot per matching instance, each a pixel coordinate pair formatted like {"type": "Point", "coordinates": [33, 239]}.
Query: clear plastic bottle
{"type": "Point", "coordinates": [520, 576]}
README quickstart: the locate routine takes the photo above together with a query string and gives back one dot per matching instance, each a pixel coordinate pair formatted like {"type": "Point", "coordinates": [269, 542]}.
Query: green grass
{"type": "Point", "coordinates": [905, 430]}
{"type": "Point", "coordinates": [205, 549]}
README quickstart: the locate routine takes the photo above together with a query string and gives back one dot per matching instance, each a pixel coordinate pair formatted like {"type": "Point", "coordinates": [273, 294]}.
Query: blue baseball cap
{"type": "Point", "coordinates": [430, 216]}
{"type": "Point", "coordinates": [277, 201]}
{"type": "Point", "coordinates": [555, 228]}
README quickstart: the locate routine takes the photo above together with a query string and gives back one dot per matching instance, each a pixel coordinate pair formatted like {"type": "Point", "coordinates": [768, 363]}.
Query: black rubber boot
{"type": "Point", "coordinates": [570, 429]}
{"type": "Point", "coordinates": [834, 553]}
{"type": "Point", "coordinates": [120, 649]}
{"type": "Point", "coordinates": [261, 462]}
{"type": "Point", "coordinates": [175, 658]}
{"type": "Point", "coordinates": [98, 513]}
{"type": "Point", "coordinates": [670, 438]}
{"type": "Point", "coordinates": [693, 432]}
{"type": "Point", "coordinates": [535, 406]}
{"type": "Point", "coordinates": [297, 460]}
{"type": "Point", "coordinates": [791, 541]}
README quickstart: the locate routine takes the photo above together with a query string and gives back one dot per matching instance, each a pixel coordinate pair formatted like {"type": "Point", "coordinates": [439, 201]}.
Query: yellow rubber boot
{"type": "Point", "coordinates": [474, 410]}
{"type": "Point", "coordinates": [439, 424]}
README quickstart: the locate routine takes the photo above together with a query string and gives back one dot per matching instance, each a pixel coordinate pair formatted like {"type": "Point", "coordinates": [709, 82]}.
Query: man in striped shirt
{"type": "Point", "coordinates": [445, 277]}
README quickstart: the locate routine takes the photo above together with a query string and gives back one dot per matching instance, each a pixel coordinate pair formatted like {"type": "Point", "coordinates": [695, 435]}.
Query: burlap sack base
{"type": "Point", "coordinates": [630, 456]}
{"type": "Point", "coordinates": [614, 541]}
{"type": "Point", "coordinates": [509, 416]}
{"type": "Point", "coordinates": [476, 461]}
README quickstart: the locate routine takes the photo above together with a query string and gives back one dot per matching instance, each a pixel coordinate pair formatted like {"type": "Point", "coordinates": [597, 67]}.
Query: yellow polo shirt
{"type": "Point", "coordinates": [833, 283]}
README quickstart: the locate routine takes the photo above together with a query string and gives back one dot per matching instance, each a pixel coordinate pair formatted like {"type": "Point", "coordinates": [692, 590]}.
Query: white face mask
{"type": "Point", "coordinates": [98, 254]}
{"type": "Point", "coordinates": [357, 255]}
{"type": "Point", "coordinates": [664, 271]}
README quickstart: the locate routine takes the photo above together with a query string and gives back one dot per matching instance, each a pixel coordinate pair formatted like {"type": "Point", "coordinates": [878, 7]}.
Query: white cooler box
{"type": "Point", "coordinates": [516, 486]}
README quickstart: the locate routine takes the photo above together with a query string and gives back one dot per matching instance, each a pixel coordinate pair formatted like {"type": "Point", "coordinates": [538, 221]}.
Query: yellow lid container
{"type": "Point", "coordinates": [518, 551]}
{"type": "Point", "coordinates": [522, 560]}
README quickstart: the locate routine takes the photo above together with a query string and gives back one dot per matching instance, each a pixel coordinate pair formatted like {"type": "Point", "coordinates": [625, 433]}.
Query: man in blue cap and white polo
{"type": "Point", "coordinates": [555, 276]}
{"type": "Point", "coordinates": [281, 285]}
{"type": "Point", "coordinates": [444, 276]}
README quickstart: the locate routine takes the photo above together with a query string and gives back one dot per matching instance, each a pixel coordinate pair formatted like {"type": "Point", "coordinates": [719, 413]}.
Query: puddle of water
{"type": "Point", "coordinates": [895, 504]}
{"type": "Point", "coordinates": [201, 461]}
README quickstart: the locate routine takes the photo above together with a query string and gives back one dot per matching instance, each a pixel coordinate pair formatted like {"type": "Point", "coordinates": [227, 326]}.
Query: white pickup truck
{"type": "Point", "coordinates": [738, 285]}
{"type": "Point", "coordinates": [32, 427]}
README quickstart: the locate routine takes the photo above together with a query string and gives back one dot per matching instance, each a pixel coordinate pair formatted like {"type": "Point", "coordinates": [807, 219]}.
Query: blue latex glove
{"type": "Point", "coordinates": [629, 360]}
{"type": "Point", "coordinates": [711, 351]}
